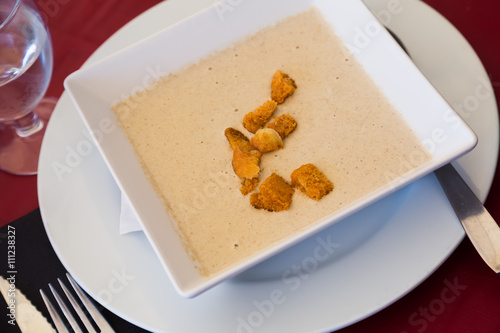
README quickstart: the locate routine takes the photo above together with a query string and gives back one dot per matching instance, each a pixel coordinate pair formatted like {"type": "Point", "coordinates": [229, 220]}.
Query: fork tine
{"type": "Point", "coordinates": [98, 318]}
{"type": "Point", "coordinates": [61, 328]}
{"type": "Point", "coordinates": [65, 311]}
{"type": "Point", "coordinates": [77, 308]}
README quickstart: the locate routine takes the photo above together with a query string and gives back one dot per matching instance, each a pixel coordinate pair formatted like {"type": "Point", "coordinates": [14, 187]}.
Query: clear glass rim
{"type": "Point", "coordinates": [12, 13]}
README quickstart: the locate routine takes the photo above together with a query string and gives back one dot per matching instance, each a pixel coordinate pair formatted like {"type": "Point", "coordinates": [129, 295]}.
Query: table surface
{"type": "Point", "coordinates": [78, 28]}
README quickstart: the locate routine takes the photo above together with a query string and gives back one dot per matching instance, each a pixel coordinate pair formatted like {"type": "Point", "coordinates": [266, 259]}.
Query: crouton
{"type": "Point", "coordinates": [258, 118]}
{"type": "Point", "coordinates": [284, 125]}
{"type": "Point", "coordinates": [275, 194]}
{"type": "Point", "coordinates": [282, 86]}
{"type": "Point", "coordinates": [246, 163]}
{"type": "Point", "coordinates": [266, 139]}
{"type": "Point", "coordinates": [310, 180]}
{"type": "Point", "coordinates": [246, 159]}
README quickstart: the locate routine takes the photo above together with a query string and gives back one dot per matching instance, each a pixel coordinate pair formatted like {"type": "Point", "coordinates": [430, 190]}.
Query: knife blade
{"type": "Point", "coordinates": [21, 311]}
{"type": "Point", "coordinates": [479, 225]}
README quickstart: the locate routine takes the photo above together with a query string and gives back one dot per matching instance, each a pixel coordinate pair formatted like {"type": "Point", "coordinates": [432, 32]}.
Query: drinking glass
{"type": "Point", "coordinates": [25, 70]}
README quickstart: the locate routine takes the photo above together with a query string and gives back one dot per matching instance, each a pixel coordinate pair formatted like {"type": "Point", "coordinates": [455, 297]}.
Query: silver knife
{"type": "Point", "coordinates": [481, 228]}
{"type": "Point", "coordinates": [20, 310]}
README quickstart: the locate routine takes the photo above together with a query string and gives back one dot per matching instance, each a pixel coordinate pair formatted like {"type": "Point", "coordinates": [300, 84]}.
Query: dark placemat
{"type": "Point", "coordinates": [36, 265]}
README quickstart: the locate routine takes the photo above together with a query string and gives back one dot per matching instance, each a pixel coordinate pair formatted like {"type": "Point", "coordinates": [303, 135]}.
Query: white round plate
{"type": "Point", "coordinates": [342, 275]}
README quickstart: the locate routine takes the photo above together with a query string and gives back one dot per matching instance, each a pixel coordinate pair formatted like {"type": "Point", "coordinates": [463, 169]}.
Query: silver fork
{"type": "Point", "coordinates": [101, 323]}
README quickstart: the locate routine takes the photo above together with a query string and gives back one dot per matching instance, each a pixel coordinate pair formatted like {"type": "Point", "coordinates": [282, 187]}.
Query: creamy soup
{"type": "Point", "coordinates": [346, 127]}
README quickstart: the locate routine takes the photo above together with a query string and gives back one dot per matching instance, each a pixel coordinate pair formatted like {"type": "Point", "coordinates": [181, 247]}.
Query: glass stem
{"type": "Point", "coordinates": [28, 125]}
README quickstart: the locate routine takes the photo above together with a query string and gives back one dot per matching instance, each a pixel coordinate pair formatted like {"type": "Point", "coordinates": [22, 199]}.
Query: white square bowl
{"type": "Point", "coordinates": [96, 88]}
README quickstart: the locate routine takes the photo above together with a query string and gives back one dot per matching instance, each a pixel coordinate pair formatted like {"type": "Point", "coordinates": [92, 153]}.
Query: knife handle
{"type": "Point", "coordinates": [479, 225]}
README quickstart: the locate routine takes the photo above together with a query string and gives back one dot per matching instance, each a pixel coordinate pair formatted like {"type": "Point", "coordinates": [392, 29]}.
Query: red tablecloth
{"type": "Point", "coordinates": [463, 295]}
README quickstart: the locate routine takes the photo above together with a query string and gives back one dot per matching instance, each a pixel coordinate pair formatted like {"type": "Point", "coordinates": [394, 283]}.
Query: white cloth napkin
{"type": "Point", "coordinates": [128, 220]}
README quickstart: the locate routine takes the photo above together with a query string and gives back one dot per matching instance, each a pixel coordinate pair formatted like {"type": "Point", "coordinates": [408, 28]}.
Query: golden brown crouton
{"type": "Point", "coordinates": [256, 119]}
{"type": "Point", "coordinates": [248, 185]}
{"type": "Point", "coordinates": [266, 139]}
{"type": "Point", "coordinates": [284, 125]}
{"type": "Point", "coordinates": [282, 86]}
{"type": "Point", "coordinates": [275, 194]}
{"type": "Point", "coordinates": [246, 160]}
{"type": "Point", "coordinates": [311, 181]}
